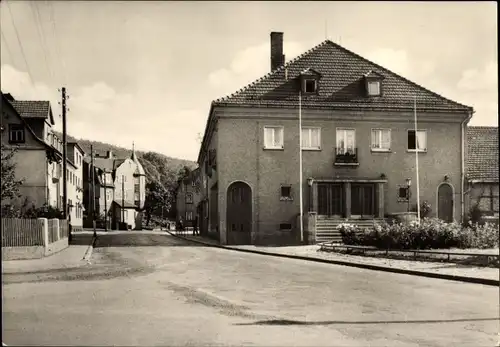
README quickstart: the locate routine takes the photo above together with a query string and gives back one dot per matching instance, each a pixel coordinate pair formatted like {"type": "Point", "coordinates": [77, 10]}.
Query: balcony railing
{"type": "Point", "coordinates": [346, 156]}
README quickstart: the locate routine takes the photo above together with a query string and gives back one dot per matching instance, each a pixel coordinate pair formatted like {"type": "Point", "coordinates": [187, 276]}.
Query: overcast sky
{"type": "Point", "coordinates": [147, 71]}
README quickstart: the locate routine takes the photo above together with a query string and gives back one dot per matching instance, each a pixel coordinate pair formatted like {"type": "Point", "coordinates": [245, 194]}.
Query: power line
{"type": "Point", "coordinates": [8, 48]}
{"type": "Point", "coordinates": [39, 29]}
{"type": "Point", "coordinates": [20, 44]}
{"type": "Point", "coordinates": [58, 50]}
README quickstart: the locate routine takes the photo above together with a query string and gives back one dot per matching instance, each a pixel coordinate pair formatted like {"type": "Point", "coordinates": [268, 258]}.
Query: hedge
{"type": "Point", "coordinates": [429, 233]}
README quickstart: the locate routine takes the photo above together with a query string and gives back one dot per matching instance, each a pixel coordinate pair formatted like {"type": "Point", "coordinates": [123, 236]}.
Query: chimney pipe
{"type": "Point", "coordinates": [109, 154]}
{"type": "Point", "coordinates": [277, 57]}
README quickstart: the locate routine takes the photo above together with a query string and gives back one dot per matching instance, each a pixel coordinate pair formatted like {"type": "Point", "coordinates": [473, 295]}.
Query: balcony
{"type": "Point", "coordinates": [346, 157]}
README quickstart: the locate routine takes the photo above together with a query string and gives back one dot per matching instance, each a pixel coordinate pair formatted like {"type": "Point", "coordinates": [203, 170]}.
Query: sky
{"type": "Point", "coordinates": [146, 72]}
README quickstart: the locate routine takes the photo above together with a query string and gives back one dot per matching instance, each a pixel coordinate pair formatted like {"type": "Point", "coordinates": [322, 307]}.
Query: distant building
{"type": "Point", "coordinates": [482, 170]}
{"type": "Point", "coordinates": [74, 186]}
{"type": "Point", "coordinates": [120, 189]}
{"type": "Point", "coordinates": [187, 198]}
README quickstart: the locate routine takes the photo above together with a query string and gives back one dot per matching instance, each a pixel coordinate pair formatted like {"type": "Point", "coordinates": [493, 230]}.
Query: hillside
{"type": "Point", "coordinates": [150, 160]}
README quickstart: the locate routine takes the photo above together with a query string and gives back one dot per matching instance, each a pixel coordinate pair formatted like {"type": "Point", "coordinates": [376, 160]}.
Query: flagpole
{"type": "Point", "coordinates": [416, 158]}
{"type": "Point", "coordinates": [300, 170]}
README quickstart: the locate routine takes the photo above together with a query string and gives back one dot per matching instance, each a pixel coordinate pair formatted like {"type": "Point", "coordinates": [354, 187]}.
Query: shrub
{"type": "Point", "coordinates": [425, 209]}
{"type": "Point", "coordinates": [44, 211]}
{"type": "Point", "coordinates": [350, 234]}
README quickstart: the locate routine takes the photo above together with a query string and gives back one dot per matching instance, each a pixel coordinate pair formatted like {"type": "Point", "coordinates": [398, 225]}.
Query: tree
{"type": "Point", "coordinates": [157, 198]}
{"type": "Point", "coordinates": [10, 186]}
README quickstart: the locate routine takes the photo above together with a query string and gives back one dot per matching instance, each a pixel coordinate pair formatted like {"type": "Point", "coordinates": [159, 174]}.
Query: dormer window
{"type": "Point", "coordinates": [373, 84]}
{"type": "Point", "coordinates": [373, 88]}
{"type": "Point", "coordinates": [309, 80]}
{"type": "Point", "coordinates": [310, 86]}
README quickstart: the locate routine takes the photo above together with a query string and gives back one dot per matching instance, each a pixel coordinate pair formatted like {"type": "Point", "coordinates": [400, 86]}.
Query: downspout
{"type": "Point", "coordinates": [463, 135]}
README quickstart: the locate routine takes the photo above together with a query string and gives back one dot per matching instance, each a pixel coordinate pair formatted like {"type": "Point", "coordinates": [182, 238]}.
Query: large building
{"type": "Point", "coordinates": [359, 146]}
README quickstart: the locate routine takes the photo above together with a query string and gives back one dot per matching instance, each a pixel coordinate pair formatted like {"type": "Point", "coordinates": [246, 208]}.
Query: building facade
{"type": "Point", "coordinates": [482, 170]}
{"type": "Point", "coordinates": [358, 146]}
{"type": "Point", "coordinates": [120, 189]}
{"type": "Point", "coordinates": [188, 198]}
{"type": "Point", "coordinates": [26, 126]}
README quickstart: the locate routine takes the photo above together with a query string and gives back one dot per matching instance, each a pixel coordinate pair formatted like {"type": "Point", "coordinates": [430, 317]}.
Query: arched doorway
{"type": "Point", "coordinates": [239, 214]}
{"type": "Point", "coordinates": [445, 202]}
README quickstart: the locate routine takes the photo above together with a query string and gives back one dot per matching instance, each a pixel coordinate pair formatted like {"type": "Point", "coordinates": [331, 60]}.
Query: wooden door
{"type": "Point", "coordinates": [239, 214]}
{"type": "Point", "coordinates": [445, 202]}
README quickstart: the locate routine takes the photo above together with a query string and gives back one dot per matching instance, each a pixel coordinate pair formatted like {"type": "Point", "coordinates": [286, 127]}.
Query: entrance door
{"type": "Point", "coordinates": [330, 199]}
{"type": "Point", "coordinates": [445, 202]}
{"type": "Point", "coordinates": [239, 214]}
{"type": "Point", "coordinates": [362, 200]}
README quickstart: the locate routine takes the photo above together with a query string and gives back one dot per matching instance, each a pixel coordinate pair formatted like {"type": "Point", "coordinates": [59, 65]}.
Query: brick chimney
{"type": "Point", "coordinates": [109, 154]}
{"type": "Point", "coordinates": [277, 57]}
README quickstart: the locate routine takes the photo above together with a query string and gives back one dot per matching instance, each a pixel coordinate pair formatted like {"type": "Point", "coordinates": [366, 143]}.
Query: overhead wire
{"type": "Point", "coordinates": [9, 51]}
{"type": "Point", "coordinates": [58, 49]}
{"type": "Point", "coordinates": [20, 44]}
{"type": "Point", "coordinates": [39, 29]}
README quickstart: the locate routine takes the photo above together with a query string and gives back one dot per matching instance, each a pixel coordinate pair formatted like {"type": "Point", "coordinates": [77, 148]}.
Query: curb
{"type": "Point", "coordinates": [88, 252]}
{"type": "Point", "coordinates": [476, 280]}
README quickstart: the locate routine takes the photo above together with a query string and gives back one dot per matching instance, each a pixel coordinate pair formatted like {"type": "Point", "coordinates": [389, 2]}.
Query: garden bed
{"type": "Point", "coordinates": [470, 257]}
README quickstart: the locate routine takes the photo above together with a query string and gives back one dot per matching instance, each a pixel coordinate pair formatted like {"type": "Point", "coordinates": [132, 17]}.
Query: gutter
{"type": "Point", "coordinates": [463, 135]}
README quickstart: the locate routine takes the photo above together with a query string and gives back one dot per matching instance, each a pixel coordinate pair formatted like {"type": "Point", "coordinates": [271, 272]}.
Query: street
{"type": "Point", "coordinates": [153, 289]}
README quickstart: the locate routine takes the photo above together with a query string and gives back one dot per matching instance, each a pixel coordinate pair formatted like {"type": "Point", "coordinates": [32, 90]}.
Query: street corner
{"type": "Point", "coordinates": [70, 257]}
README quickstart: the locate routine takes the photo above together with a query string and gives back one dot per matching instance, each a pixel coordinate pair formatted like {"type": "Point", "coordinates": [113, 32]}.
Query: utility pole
{"type": "Point", "coordinates": [65, 188]}
{"type": "Point", "coordinates": [93, 187]}
{"type": "Point", "coordinates": [105, 204]}
{"type": "Point", "coordinates": [123, 199]}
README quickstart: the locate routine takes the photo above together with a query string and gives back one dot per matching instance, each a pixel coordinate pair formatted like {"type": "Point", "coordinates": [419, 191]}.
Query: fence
{"type": "Point", "coordinates": [17, 232]}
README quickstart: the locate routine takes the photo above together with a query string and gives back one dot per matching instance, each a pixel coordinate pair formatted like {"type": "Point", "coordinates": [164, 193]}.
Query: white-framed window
{"type": "Point", "coordinates": [417, 141]}
{"type": "Point", "coordinates": [373, 88]}
{"type": "Point", "coordinates": [311, 138]}
{"type": "Point", "coordinates": [189, 198]}
{"type": "Point", "coordinates": [273, 137]}
{"type": "Point", "coordinates": [310, 86]}
{"type": "Point", "coordinates": [189, 215]}
{"type": "Point", "coordinates": [108, 195]}
{"type": "Point", "coordinates": [381, 140]}
{"type": "Point", "coordinates": [346, 141]}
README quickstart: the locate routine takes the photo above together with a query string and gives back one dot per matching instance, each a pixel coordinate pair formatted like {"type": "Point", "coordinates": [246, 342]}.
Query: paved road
{"type": "Point", "coordinates": [152, 289]}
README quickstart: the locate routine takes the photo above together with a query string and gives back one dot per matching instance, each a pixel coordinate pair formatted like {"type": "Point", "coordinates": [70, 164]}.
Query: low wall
{"type": "Point", "coordinates": [23, 252]}
{"type": "Point", "coordinates": [33, 238]}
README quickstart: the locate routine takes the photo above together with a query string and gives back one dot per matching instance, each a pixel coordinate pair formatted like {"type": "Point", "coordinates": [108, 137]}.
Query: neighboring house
{"type": "Point", "coordinates": [26, 125]}
{"type": "Point", "coordinates": [187, 198]}
{"type": "Point", "coordinates": [482, 169]}
{"type": "Point", "coordinates": [358, 147]}
{"type": "Point", "coordinates": [118, 183]}
{"type": "Point", "coordinates": [74, 186]}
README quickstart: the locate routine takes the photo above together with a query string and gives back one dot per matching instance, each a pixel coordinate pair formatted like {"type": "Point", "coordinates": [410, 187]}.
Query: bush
{"type": "Point", "coordinates": [425, 209]}
{"type": "Point", "coordinates": [44, 211]}
{"type": "Point", "coordinates": [430, 233]}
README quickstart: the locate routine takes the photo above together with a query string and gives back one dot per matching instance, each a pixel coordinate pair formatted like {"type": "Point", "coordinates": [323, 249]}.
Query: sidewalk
{"type": "Point", "coordinates": [70, 257]}
{"type": "Point", "coordinates": [434, 269]}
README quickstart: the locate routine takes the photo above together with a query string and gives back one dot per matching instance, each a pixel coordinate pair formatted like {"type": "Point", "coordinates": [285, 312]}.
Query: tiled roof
{"type": "Point", "coordinates": [341, 84]}
{"type": "Point", "coordinates": [33, 109]}
{"type": "Point", "coordinates": [482, 155]}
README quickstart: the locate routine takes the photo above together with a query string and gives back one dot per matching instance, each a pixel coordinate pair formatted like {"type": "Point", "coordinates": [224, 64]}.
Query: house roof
{"type": "Point", "coordinates": [342, 76]}
{"type": "Point", "coordinates": [75, 144]}
{"type": "Point", "coordinates": [34, 109]}
{"type": "Point", "coordinates": [342, 79]}
{"type": "Point", "coordinates": [7, 101]}
{"type": "Point", "coordinates": [482, 155]}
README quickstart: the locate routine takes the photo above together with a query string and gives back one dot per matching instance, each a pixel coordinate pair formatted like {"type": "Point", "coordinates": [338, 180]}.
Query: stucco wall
{"type": "Point", "coordinates": [126, 169]}
{"type": "Point", "coordinates": [242, 158]}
